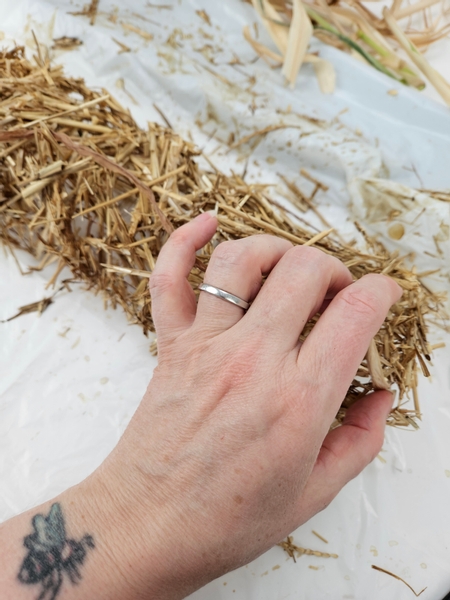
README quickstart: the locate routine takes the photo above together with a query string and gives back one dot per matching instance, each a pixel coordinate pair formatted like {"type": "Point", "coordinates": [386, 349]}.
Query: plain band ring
{"type": "Point", "coordinates": [223, 295]}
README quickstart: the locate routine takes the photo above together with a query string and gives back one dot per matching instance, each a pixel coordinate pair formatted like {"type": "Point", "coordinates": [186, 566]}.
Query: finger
{"type": "Point", "coordinates": [293, 292]}
{"type": "Point", "coordinates": [237, 267]}
{"type": "Point", "coordinates": [338, 343]}
{"type": "Point", "coordinates": [173, 301]}
{"type": "Point", "coordinates": [346, 451]}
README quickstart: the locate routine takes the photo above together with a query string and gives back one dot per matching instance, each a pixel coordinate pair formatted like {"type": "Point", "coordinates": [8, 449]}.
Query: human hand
{"type": "Point", "coordinates": [230, 449]}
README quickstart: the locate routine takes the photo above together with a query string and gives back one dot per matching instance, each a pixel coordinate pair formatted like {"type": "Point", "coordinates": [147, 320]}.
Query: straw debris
{"type": "Point", "coordinates": [90, 10]}
{"type": "Point", "coordinates": [83, 186]}
{"type": "Point", "coordinates": [295, 552]}
{"type": "Point", "coordinates": [66, 43]}
{"type": "Point", "coordinates": [38, 307]}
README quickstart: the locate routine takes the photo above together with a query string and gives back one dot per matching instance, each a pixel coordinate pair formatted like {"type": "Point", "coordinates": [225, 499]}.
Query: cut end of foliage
{"type": "Point", "coordinates": [351, 26]}
{"type": "Point", "coordinates": [83, 186]}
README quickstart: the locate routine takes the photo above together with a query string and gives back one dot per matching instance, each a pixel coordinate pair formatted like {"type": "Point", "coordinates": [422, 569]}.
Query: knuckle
{"type": "Point", "coordinates": [272, 241]}
{"type": "Point", "coordinates": [179, 237]}
{"type": "Point", "coordinates": [363, 302]}
{"type": "Point", "coordinates": [230, 254]}
{"type": "Point", "coordinates": [160, 282]}
{"type": "Point", "coordinates": [241, 364]}
{"type": "Point", "coordinates": [310, 257]}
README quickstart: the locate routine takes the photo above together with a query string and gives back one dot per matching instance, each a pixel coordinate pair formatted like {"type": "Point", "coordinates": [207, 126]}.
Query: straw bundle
{"type": "Point", "coordinates": [83, 186]}
{"type": "Point", "coordinates": [351, 26]}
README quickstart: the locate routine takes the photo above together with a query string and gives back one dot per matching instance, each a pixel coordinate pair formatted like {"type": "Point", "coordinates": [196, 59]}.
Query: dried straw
{"type": "Point", "coordinates": [83, 186]}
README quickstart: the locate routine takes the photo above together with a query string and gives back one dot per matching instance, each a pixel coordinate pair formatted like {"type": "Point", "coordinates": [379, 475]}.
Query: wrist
{"type": "Point", "coordinates": [127, 562]}
{"type": "Point", "coordinates": [142, 549]}
{"type": "Point", "coordinates": [81, 543]}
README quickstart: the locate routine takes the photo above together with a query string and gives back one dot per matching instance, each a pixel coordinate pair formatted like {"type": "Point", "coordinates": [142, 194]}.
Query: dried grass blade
{"type": "Point", "coordinates": [399, 579]}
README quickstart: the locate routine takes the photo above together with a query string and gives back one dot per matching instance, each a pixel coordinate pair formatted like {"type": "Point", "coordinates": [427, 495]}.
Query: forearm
{"type": "Point", "coordinates": [82, 544]}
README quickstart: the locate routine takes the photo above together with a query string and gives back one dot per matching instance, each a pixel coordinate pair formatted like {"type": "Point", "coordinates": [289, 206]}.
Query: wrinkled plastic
{"type": "Point", "coordinates": [71, 379]}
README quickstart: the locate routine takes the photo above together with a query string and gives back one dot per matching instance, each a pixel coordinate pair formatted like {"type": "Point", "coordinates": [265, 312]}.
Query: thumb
{"type": "Point", "coordinates": [345, 451]}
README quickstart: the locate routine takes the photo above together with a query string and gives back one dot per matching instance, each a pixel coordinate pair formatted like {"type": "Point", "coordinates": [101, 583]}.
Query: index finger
{"type": "Point", "coordinates": [173, 301]}
{"type": "Point", "coordinates": [339, 341]}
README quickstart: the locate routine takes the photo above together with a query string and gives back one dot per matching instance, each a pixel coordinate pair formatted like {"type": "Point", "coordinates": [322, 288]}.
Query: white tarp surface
{"type": "Point", "coordinates": [71, 379]}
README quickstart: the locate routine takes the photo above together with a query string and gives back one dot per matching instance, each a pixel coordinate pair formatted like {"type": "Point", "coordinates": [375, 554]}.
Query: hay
{"type": "Point", "coordinates": [83, 186]}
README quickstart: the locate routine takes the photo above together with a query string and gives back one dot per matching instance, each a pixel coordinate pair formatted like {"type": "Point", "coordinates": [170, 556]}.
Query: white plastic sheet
{"type": "Point", "coordinates": [71, 379]}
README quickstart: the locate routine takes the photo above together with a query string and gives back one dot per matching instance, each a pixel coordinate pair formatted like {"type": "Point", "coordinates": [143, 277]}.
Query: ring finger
{"type": "Point", "coordinates": [237, 267]}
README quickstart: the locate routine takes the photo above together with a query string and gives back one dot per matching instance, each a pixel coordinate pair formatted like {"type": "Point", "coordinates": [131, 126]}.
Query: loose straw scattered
{"type": "Point", "coordinates": [83, 186]}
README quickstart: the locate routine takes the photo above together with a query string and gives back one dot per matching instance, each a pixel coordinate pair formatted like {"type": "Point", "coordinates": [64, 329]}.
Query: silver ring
{"type": "Point", "coordinates": [223, 295]}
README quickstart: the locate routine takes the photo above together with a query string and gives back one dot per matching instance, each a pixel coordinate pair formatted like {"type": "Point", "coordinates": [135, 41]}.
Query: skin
{"type": "Point", "coordinates": [230, 449]}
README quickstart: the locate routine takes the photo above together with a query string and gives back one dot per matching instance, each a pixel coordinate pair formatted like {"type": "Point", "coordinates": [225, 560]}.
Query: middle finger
{"type": "Point", "coordinates": [295, 291]}
{"type": "Point", "coordinates": [237, 267]}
